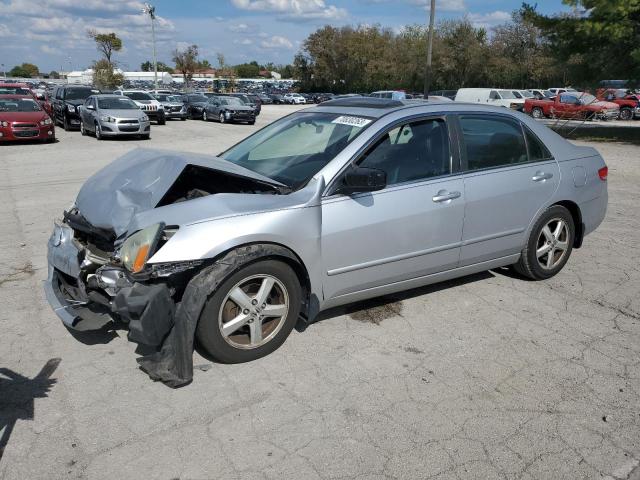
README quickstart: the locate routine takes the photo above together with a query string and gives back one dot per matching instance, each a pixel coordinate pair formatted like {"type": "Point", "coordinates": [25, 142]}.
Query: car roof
{"type": "Point", "coordinates": [379, 107]}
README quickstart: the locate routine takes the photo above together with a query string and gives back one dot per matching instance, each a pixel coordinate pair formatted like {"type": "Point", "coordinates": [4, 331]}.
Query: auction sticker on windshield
{"type": "Point", "coordinates": [353, 121]}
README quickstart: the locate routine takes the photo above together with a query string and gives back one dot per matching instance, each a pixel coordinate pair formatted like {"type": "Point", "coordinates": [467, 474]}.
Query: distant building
{"type": "Point", "coordinates": [85, 77]}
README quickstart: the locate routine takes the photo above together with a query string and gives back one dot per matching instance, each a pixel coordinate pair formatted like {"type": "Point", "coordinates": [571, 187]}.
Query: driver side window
{"type": "Point", "coordinates": [411, 152]}
{"type": "Point", "coordinates": [570, 99]}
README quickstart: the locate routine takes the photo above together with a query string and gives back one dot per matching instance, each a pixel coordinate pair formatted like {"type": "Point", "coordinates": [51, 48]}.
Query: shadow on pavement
{"type": "Point", "coordinates": [18, 394]}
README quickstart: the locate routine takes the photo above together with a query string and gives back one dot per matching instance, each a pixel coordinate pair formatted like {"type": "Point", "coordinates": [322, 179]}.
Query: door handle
{"type": "Point", "coordinates": [540, 176]}
{"type": "Point", "coordinates": [443, 196]}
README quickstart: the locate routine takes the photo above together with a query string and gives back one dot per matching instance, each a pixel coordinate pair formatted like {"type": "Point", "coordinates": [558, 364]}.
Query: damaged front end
{"type": "Point", "coordinates": [91, 283]}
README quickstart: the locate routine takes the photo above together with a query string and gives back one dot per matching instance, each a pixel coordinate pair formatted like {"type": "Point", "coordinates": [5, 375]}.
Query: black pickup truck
{"type": "Point", "coordinates": [66, 102]}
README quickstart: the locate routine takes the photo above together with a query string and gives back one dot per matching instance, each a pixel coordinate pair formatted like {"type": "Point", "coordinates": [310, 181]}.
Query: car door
{"type": "Point", "coordinates": [85, 113]}
{"type": "Point", "coordinates": [568, 106]}
{"type": "Point", "coordinates": [411, 228]}
{"type": "Point", "coordinates": [509, 177]}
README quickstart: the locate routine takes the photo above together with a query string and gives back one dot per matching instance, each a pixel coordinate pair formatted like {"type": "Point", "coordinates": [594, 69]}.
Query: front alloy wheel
{"type": "Point", "coordinates": [251, 313]}
{"type": "Point", "coordinates": [222, 118]}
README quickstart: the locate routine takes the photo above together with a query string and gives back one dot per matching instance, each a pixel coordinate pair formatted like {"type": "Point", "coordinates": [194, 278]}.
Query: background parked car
{"type": "Point", "coordinates": [322, 97]}
{"type": "Point", "coordinates": [541, 93]}
{"type": "Point", "coordinates": [278, 98]}
{"type": "Point", "coordinates": [294, 99]}
{"type": "Point", "coordinates": [629, 103]}
{"type": "Point", "coordinates": [113, 115]}
{"type": "Point", "coordinates": [250, 100]}
{"type": "Point", "coordinates": [571, 105]}
{"type": "Point", "coordinates": [65, 103]}
{"type": "Point", "coordinates": [557, 90]}
{"type": "Point", "coordinates": [22, 118]}
{"type": "Point", "coordinates": [522, 94]}
{"type": "Point", "coordinates": [194, 104]}
{"type": "Point", "coordinates": [147, 103]}
{"type": "Point", "coordinates": [265, 99]}
{"type": "Point", "coordinates": [490, 96]}
{"type": "Point", "coordinates": [445, 93]}
{"type": "Point", "coordinates": [228, 109]}
{"type": "Point", "coordinates": [173, 106]}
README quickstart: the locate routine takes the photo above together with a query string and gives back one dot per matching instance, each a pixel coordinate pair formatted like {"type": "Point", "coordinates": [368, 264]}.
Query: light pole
{"type": "Point", "coordinates": [151, 10]}
{"type": "Point", "coordinates": [427, 70]}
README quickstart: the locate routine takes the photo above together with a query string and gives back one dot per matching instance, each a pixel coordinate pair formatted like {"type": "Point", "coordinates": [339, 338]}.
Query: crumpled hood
{"type": "Point", "coordinates": [137, 181]}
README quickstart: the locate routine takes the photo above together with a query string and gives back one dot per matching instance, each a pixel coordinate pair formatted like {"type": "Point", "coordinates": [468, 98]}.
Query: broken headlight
{"type": "Point", "coordinates": [139, 247]}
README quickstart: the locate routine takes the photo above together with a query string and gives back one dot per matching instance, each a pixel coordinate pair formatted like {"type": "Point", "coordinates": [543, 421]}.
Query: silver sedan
{"type": "Point", "coordinates": [348, 200]}
{"type": "Point", "coordinates": [113, 115]}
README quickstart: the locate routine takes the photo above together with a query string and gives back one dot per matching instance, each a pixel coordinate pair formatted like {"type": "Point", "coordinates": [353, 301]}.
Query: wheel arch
{"type": "Point", "coordinates": [259, 251]}
{"type": "Point", "coordinates": [576, 214]}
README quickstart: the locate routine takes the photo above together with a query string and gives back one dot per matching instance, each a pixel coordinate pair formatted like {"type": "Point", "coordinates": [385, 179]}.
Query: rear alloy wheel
{"type": "Point", "coordinates": [251, 313]}
{"type": "Point", "coordinates": [549, 246]}
{"type": "Point", "coordinates": [626, 114]}
{"type": "Point", "coordinates": [537, 112]}
{"type": "Point", "coordinates": [222, 118]}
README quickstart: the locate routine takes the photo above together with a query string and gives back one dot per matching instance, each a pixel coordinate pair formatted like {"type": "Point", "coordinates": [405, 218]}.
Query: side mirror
{"type": "Point", "coordinates": [363, 179]}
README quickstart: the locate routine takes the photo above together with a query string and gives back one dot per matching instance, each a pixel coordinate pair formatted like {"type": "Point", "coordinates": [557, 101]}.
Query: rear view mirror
{"type": "Point", "coordinates": [363, 179]}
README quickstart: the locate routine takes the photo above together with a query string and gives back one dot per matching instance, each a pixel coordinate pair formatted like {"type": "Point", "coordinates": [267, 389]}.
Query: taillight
{"type": "Point", "coordinates": [603, 172]}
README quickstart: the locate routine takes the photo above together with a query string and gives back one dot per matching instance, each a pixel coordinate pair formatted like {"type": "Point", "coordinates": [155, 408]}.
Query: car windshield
{"type": "Point", "coordinates": [231, 101]}
{"type": "Point", "coordinates": [507, 94]}
{"type": "Point", "coordinates": [198, 98]}
{"type": "Point", "coordinates": [77, 93]}
{"type": "Point", "coordinates": [4, 90]}
{"type": "Point", "coordinates": [293, 149]}
{"type": "Point", "coordinates": [138, 95]}
{"type": "Point", "coordinates": [19, 105]}
{"type": "Point", "coordinates": [116, 103]}
{"type": "Point", "coordinates": [525, 93]}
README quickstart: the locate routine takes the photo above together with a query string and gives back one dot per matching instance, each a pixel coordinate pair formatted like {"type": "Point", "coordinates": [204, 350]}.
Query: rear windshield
{"type": "Point", "coordinates": [19, 105]}
{"type": "Point", "coordinates": [14, 90]}
{"type": "Point", "coordinates": [78, 93]}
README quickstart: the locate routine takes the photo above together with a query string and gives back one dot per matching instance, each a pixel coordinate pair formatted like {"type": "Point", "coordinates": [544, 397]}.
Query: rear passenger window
{"type": "Point", "coordinates": [537, 150]}
{"type": "Point", "coordinates": [492, 142]}
{"type": "Point", "coordinates": [411, 152]}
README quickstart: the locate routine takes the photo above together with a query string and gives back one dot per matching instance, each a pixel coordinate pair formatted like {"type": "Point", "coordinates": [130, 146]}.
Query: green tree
{"type": "Point", "coordinates": [162, 67]}
{"type": "Point", "coordinates": [600, 39]}
{"type": "Point", "coordinates": [104, 76]}
{"type": "Point", "coordinates": [247, 70]}
{"type": "Point", "coordinates": [53, 74]}
{"type": "Point", "coordinates": [106, 43]}
{"type": "Point", "coordinates": [26, 70]}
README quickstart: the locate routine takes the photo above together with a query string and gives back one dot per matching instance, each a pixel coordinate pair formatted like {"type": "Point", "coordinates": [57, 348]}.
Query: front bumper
{"type": "Point", "coordinates": [118, 128]}
{"type": "Point", "coordinates": [12, 134]}
{"type": "Point", "coordinates": [88, 294]}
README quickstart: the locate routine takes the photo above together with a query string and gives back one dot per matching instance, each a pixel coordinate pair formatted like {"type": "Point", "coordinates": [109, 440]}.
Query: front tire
{"type": "Point", "coordinates": [549, 246]}
{"type": "Point", "coordinates": [204, 116]}
{"type": "Point", "coordinates": [251, 314]}
{"type": "Point", "coordinates": [65, 123]}
{"type": "Point", "coordinates": [222, 118]}
{"type": "Point", "coordinates": [83, 132]}
{"type": "Point", "coordinates": [99, 132]}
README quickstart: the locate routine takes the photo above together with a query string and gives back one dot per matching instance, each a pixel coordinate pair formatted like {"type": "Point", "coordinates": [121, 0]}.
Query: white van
{"type": "Point", "coordinates": [490, 96]}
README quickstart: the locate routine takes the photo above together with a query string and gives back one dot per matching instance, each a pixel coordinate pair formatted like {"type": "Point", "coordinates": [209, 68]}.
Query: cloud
{"type": "Point", "coordinates": [49, 50]}
{"type": "Point", "coordinates": [277, 42]}
{"type": "Point", "coordinates": [4, 30]}
{"type": "Point", "coordinates": [239, 28]}
{"type": "Point", "coordinates": [294, 9]}
{"type": "Point", "coordinates": [488, 20]}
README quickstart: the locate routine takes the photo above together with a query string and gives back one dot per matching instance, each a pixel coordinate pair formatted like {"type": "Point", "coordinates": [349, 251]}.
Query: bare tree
{"type": "Point", "coordinates": [186, 62]}
{"type": "Point", "coordinates": [106, 43]}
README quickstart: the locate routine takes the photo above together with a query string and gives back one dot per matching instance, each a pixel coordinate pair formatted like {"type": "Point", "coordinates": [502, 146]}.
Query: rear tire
{"type": "Point", "coordinates": [83, 132]}
{"type": "Point", "coordinates": [259, 334]}
{"type": "Point", "coordinates": [549, 245]}
{"type": "Point", "coordinates": [626, 114]}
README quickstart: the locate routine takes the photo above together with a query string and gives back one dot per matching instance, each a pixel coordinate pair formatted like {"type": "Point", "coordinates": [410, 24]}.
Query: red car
{"type": "Point", "coordinates": [24, 89]}
{"type": "Point", "coordinates": [571, 105]}
{"type": "Point", "coordinates": [629, 103]}
{"type": "Point", "coordinates": [22, 118]}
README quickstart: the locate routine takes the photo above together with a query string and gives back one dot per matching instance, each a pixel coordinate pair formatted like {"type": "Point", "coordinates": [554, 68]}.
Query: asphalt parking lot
{"type": "Point", "coordinates": [485, 377]}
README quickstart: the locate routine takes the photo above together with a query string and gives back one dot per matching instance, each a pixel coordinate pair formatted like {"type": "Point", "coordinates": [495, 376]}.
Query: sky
{"type": "Point", "coordinates": [52, 33]}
